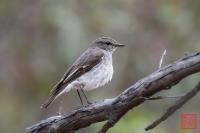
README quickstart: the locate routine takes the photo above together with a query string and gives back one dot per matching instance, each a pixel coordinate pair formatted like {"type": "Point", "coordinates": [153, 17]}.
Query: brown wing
{"type": "Point", "coordinates": [84, 63]}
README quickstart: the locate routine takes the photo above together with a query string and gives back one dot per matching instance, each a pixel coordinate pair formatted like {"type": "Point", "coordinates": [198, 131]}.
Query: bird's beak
{"type": "Point", "coordinates": [119, 45]}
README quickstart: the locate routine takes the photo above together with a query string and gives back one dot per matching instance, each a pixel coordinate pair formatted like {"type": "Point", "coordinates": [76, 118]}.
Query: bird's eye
{"type": "Point", "coordinates": [108, 43]}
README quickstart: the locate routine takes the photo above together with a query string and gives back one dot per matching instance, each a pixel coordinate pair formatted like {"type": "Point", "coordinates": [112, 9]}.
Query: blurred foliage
{"type": "Point", "coordinates": [39, 39]}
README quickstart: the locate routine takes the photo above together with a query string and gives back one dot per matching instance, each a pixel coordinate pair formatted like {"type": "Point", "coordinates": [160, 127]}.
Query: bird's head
{"type": "Point", "coordinates": [106, 43]}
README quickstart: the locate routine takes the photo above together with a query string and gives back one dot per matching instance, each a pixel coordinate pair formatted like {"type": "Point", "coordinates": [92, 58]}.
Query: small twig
{"type": "Point", "coordinates": [162, 58]}
{"type": "Point", "coordinates": [160, 97]}
{"type": "Point", "coordinates": [110, 123]}
{"type": "Point", "coordinates": [175, 107]}
{"type": "Point", "coordinates": [107, 126]}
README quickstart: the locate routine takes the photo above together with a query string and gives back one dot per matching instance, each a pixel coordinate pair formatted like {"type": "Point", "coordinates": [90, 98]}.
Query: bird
{"type": "Point", "coordinates": [93, 69]}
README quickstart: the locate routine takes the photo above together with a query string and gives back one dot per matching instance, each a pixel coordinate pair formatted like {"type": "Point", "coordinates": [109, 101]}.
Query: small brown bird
{"type": "Point", "coordinates": [94, 68]}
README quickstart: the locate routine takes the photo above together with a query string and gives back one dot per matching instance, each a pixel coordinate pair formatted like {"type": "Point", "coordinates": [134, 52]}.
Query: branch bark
{"type": "Point", "coordinates": [111, 110]}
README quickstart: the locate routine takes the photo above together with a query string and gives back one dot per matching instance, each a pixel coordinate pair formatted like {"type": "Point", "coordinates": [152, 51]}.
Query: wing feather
{"type": "Point", "coordinates": [88, 60]}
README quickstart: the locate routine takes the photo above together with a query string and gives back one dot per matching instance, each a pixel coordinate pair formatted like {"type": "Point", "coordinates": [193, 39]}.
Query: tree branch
{"type": "Point", "coordinates": [113, 109]}
{"type": "Point", "coordinates": [178, 104]}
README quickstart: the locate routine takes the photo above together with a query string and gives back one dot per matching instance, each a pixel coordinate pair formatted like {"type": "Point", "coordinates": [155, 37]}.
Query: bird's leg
{"type": "Point", "coordinates": [79, 96]}
{"type": "Point", "coordinates": [88, 102]}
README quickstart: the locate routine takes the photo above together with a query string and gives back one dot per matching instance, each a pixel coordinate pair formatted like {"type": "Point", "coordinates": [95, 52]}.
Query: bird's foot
{"type": "Point", "coordinates": [88, 102]}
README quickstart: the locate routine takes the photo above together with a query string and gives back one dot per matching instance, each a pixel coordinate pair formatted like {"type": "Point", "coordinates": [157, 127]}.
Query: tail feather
{"type": "Point", "coordinates": [48, 101]}
{"type": "Point", "coordinates": [54, 94]}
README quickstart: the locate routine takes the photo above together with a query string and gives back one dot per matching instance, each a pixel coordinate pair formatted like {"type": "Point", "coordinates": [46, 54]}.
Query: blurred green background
{"type": "Point", "coordinates": [39, 39]}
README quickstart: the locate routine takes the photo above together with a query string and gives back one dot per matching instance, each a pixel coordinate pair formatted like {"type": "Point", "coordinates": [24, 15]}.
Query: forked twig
{"type": "Point", "coordinates": [177, 105]}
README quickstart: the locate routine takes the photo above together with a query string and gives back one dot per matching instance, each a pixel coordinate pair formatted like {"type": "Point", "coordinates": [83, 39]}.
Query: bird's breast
{"type": "Point", "coordinates": [99, 75]}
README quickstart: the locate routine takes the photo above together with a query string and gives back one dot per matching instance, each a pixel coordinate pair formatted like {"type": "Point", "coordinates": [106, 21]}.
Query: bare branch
{"type": "Point", "coordinates": [112, 110]}
{"type": "Point", "coordinates": [178, 104]}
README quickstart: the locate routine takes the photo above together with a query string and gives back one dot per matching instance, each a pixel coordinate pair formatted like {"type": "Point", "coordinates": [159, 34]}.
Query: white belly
{"type": "Point", "coordinates": [97, 77]}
